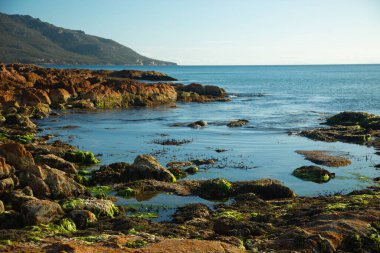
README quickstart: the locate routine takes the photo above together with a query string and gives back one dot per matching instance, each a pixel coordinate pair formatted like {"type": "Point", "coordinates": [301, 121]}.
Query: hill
{"type": "Point", "coordinates": [25, 39]}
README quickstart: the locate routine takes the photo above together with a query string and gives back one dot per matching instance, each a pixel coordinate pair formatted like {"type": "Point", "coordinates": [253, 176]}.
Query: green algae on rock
{"type": "Point", "coordinates": [81, 157]}
{"type": "Point", "coordinates": [217, 188]}
{"type": "Point", "coordinates": [361, 119]}
{"type": "Point", "coordinates": [126, 192]}
{"type": "Point", "coordinates": [100, 207]}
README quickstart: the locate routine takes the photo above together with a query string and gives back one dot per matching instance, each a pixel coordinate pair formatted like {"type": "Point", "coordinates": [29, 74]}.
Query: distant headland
{"type": "Point", "coordinates": [25, 39]}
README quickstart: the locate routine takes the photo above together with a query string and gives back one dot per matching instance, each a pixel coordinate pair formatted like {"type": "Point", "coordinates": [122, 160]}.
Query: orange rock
{"type": "Point", "coordinates": [59, 96]}
{"type": "Point", "coordinates": [17, 155]}
{"type": "Point", "coordinates": [5, 169]}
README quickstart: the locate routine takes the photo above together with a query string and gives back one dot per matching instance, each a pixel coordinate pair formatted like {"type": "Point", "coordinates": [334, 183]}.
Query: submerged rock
{"type": "Point", "coordinates": [238, 123]}
{"type": "Point", "coordinates": [324, 158]}
{"type": "Point", "coordinates": [313, 173]}
{"type": "Point", "coordinates": [198, 124]}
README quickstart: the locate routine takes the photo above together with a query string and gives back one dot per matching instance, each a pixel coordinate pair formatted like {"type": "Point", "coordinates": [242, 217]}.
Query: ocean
{"type": "Point", "coordinates": [275, 99]}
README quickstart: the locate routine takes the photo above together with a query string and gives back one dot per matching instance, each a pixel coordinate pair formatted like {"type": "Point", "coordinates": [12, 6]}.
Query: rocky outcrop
{"type": "Point", "coordinates": [195, 92]}
{"type": "Point", "coordinates": [350, 127]}
{"type": "Point", "coordinates": [39, 88]}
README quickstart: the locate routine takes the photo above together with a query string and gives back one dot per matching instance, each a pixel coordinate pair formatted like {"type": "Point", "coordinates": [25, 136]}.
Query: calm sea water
{"type": "Point", "coordinates": [275, 99]}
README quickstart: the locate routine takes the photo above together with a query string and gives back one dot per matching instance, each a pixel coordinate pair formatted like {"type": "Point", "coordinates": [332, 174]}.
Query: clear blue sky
{"type": "Point", "coordinates": [224, 31]}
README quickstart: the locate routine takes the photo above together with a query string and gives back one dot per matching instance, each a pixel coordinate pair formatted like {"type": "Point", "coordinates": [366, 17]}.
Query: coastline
{"type": "Point", "coordinates": [275, 205]}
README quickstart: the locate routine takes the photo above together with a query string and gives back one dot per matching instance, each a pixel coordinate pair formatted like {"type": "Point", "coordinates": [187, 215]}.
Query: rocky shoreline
{"type": "Point", "coordinates": [49, 202]}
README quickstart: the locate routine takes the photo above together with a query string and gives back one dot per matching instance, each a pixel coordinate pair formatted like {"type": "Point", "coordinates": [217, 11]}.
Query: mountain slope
{"type": "Point", "coordinates": [28, 40]}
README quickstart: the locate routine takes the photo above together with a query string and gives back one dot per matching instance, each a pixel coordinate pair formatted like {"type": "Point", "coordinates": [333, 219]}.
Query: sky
{"type": "Point", "coordinates": [224, 32]}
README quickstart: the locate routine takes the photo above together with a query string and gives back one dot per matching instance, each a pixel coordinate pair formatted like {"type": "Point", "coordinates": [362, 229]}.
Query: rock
{"type": "Point", "coordinates": [194, 246]}
{"type": "Point", "coordinates": [313, 173]}
{"type": "Point", "coordinates": [37, 184]}
{"type": "Point", "coordinates": [82, 104]}
{"type": "Point", "coordinates": [215, 189]}
{"type": "Point", "coordinates": [100, 207]}
{"type": "Point", "coordinates": [6, 184]}
{"type": "Point", "coordinates": [108, 174]}
{"type": "Point", "coordinates": [199, 162]}
{"type": "Point", "coordinates": [47, 181]}
{"type": "Point", "coordinates": [190, 212]}
{"type": "Point", "coordinates": [61, 185]}
{"type": "Point", "coordinates": [2, 208]}
{"type": "Point", "coordinates": [19, 120]}
{"type": "Point", "coordinates": [192, 170]}
{"type": "Point", "coordinates": [82, 218]}
{"type": "Point", "coordinates": [58, 163]}
{"type": "Point", "coordinates": [11, 220]}
{"type": "Point", "coordinates": [234, 227]}
{"type": "Point", "coordinates": [264, 188]}
{"type": "Point", "coordinates": [147, 167]}
{"type": "Point", "coordinates": [164, 245]}
{"type": "Point", "coordinates": [16, 155]}
{"type": "Point", "coordinates": [18, 197]}
{"type": "Point", "coordinates": [198, 124]}
{"type": "Point", "coordinates": [238, 123]}
{"type": "Point", "coordinates": [177, 172]}
{"type": "Point", "coordinates": [339, 230]}
{"type": "Point", "coordinates": [178, 164]}
{"type": "Point", "coordinates": [208, 90]}
{"type": "Point", "coordinates": [41, 111]}
{"type": "Point", "coordinates": [324, 158]}
{"type": "Point", "coordinates": [59, 96]}
{"type": "Point", "coordinates": [349, 134]}
{"type": "Point", "coordinates": [40, 211]}
{"type": "Point", "coordinates": [5, 169]}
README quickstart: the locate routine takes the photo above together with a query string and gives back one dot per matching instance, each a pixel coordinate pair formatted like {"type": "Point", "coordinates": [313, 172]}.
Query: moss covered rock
{"type": "Point", "coordinates": [100, 207]}
{"type": "Point", "coordinates": [313, 173]}
{"type": "Point", "coordinates": [218, 188]}
{"type": "Point", "coordinates": [81, 157]}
